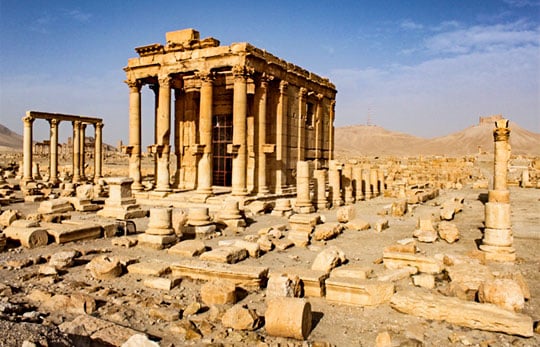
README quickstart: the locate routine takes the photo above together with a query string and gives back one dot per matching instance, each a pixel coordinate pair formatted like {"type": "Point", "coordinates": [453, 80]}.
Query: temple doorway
{"type": "Point", "coordinates": [222, 135]}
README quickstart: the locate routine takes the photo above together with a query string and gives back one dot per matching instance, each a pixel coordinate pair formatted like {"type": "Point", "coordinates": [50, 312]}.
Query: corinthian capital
{"type": "Point", "coordinates": [283, 85]}
{"type": "Point", "coordinates": [164, 80]}
{"type": "Point", "coordinates": [302, 92]}
{"type": "Point", "coordinates": [134, 85]}
{"type": "Point", "coordinates": [205, 76]}
{"type": "Point", "coordinates": [239, 72]}
{"type": "Point", "coordinates": [54, 122]}
{"type": "Point", "coordinates": [27, 120]}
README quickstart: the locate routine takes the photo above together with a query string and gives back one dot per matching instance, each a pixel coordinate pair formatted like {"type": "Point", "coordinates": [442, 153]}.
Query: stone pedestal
{"type": "Point", "coordinates": [120, 204]}
{"type": "Point", "coordinates": [498, 238]}
{"type": "Point", "coordinates": [198, 225]}
{"type": "Point", "coordinates": [160, 233]}
{"type": "Point", "coordinates": [283, 208]}
{"type": "Point", "coordinates": [303, 199]}
{"type": "Point", "coordinates": [231, 215]}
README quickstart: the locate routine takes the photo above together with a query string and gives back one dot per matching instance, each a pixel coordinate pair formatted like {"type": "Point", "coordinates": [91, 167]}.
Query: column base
{"type": "Point", "coordinates": [242, 192]}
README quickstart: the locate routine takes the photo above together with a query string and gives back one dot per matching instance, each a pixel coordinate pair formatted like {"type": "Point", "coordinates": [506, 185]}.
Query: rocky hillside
{"type": "Point", "coordinates": [10, 140]}
{"type": "Point", "coordinates": [376, 141]}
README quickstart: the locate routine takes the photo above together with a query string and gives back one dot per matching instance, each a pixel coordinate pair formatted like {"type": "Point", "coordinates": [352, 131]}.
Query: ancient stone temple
{"type": "Point", "coordinates": [234, 116]}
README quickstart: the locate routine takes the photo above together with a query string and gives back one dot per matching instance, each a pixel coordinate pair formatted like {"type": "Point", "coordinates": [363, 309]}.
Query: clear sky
{"type": "Point", "coordinates": [424, 67]}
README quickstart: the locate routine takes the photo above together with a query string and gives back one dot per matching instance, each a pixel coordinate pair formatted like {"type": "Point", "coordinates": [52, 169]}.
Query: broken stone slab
{"type": "Point", "coordinates": [60, 205]}
{"type": "Point", "coordinates": [7, 217]}
{"type": "Point", "coordinates": [312, 281]}
{"type": "Point", "coordinates": [165, 314]}
{"type": "Point", "coordinates": [409, 247]}
{"type": "Point", "coordinates": [427, 236]}
{"type": "Point", "coordinates": [396, 260]}
{"type": "Point", "coordinates": [448, 231]}
{"type": "Point", "coordinates": [300, 238]}
{"type": "Point", "coordinates": [393, 275]}
{"type": "Point", "coordinates": [357, 224]}
{"type": "Point", "coordinates": [265, 244]}
{"type": "Point", "coordinates": [83, 205]}
{"type": "Point", "coordinates": [283, 244]}
{"type": "Point", "coordinates": [505, 293]}
{"type": "Point", "coordinates": [466, 279]}
{"type": "Point", "coordinates": [381, 225]}
{"type": "Point", "coordinates": [139, 340]}
{"type": "Point", "coordinates": [239, 317]}
{"type": "Point", "coordinates": [63, 260]}
{"type": "Point", "coordinates": [346, 213]}
{"type": "Point", "coordinates": [225, 254]}
{"type": "Point", "coordinates": [244, 276]}
{"type": "Point", "coordinates": [288, 317]}
{"type": "Point", "coordinates": [327, 231]}
{"type": "Point", "coordinates": [156, 241]}
{"type": "Point", "coordinates": [517, 276]}
{"type": "Point", "coordinates": [149, 268]}
{"type": "Point", "coordinates": [199, 232]}
{"type": "Point", "coordinates": [253, 248]}
{"type": "Point", "coordinates": [398, 208]}
{"type": "Point", "coordinates": [304, 221]}
{"type": "Point", "coordinates": [352, 271]}
{"type": "Point", "coordinates": [328, 259]}
{"type": "Point", "coordinates": [86, 329]}
{"type": "Point", "coordinates": [358, 292]}
{"type": "Point", "coordinates": [424, 281]}
{"type": "Point", "coordinates": [161, 283]}
{"type": "Point", "coordinates": [69, 231]}
{"type": "Point", "coordinates": [188, 248]}
{"type": "Point", "coordinates": [104, 267]}
{"type": "Point", "coordinates": [218, 293]}
{"type": "Point", "coordinates": [428, 305]}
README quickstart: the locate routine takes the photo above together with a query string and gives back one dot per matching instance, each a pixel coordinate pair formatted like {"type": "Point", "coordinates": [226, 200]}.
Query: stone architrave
{"type": "Point", "coordinates": [498, 239]}
{"type": "Point", "coordinates": [120, 204]}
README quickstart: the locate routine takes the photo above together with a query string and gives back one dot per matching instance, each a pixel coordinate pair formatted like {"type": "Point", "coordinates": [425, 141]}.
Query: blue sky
{"type": "Point", "coordinates": [427, 68]}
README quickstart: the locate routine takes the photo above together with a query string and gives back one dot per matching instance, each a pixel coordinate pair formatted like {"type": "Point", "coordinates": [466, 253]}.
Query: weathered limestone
{"type": "Point", "coordinates": [28, 233]}
{"type": "Point", "coordinates": [198, 225]}
{"type": "Point", "coordinates": [244, 276]}
{"type": "Point", "coordinates": [358, 292]}
{"type": "Point", "coordinates": [346, 214]}
{"type": "Point", "coordinates": [327, 231]}
{"type": "Point", "coordinates": [505, 293]}
{"type": "Point", "coordinates": [104, 267]}
{"type": "Point", "coordinates": [498, 238]}
{"type": "Point", "coordinates": [288, 317]}
{"type": "Point", "coordinates": [283, 208]}
{"type": "Point", "coordinates": [448, 232]}
{"type": "Point", "coordinates": [396, 260]}
{"type": "Point", "coordinates": [328, 259]}
{"type": "Point", "coordinates": [301, 226]}
{"type": "Point", "coordinates": [60, 205]}
{"type": "Point", "coordinates": [425, 231]}
{"type": "Point", "coordinates": [320, 179]}
{"type": "Point", "coordinates": [283, 285]}
{"type": "Point", "coordinates": [240, 317]}
{"type": "Point", "coordinates": [149, 268]}
{"type": "Point", "coordinates": [347, 181]}
{"type": "Point", "coordinates": [473, 315]}
{"type": "Point", "coordinates": [218, 293]}
{"type": "Point", "coordinates": [334, 182]}
{"type": "Point", "coordinates": [120, 204]}
{"type": "Point", "coordinates": [69, 230]}
{"type": "Point", "coordinates": [231, 215]}
{"type": "Point", "coordinates": [188, 248]}
{"type": "Point", "coordinates": [160, 233]}
{"type": "Point", "coordinates": [312, 281]}
{"type": "Point", "coordinates": [225, 254]}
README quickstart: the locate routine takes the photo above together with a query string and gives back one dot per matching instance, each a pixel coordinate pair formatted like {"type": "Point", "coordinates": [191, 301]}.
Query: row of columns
{"type": "Point", "coordinates": [78, 150]}
{"type": "Point", "coordinates": [238, 148]}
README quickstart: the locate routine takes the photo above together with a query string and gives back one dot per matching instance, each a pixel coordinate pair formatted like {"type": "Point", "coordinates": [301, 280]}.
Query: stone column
{"type": "Point", "coordinates": [163, 132]}
{"type": "Point", "coordinates": [498, 239]}
{"type": "Point", "coordinates": [331, 130]}
{"type": "Point", "coordinates": [135, 134]}
{"type": "Point", "coordinates": [204, 167]}
{"type": "Point", "coordinates": [347, 183]}
{"type": "Point", "coordinates": [302, 92]}
{"type": "Point", "coordinates": [262, 187]}
{"type": "Point", "coordinates": [82, 139]}
{"type": "Point", "coordinates": [334, 181]}
{"type": "Point", "coordinates": [281, 138]}
{"type": "Point", "coordinates": [76, 151]}
{"type": "Point", "coordinates": [179, 99]}
{"type": "Point", "coordinates": [380, 179]}
{"type": "Point", "coordinates": [239, 187]}
{"type": "Point", "coordinates": [366, 180]}
{"type": "Point", "coordinates": [318, 131]}
{"type": "Point", "coordinates": [53, 151]}
{"type": "Point", "coordinates": [320, 178]}
{"type": "Point", "coordinates": [374, 182]}
{"type": "Point", "coordinates": [303, 199]}
{"type": "Point", "coordinates": [357, 182]}
{"type": "Point", "coordinates": [98, 155]}
{"type": "Point", "coordinates": [27, 149]}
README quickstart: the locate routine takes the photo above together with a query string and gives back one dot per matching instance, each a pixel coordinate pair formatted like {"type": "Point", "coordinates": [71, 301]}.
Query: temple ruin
{"type": "Point", "coordinates": [241, 117]}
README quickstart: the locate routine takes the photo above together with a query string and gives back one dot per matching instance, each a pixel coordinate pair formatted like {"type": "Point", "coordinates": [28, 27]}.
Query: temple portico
{"type": "Point", "coordinates": [79, 125]}
{"type": "Point", "coordinates": [241, 117]}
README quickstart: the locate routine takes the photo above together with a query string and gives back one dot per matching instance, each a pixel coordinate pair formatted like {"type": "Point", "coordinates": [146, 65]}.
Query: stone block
{"type": "Point", "coordinates": [467, 278]}
{"type": "Point", "coordinates": [104, 267]}
{"type": "Point", "coordinates": [299, 238]}
{"type": "Point", "coordinates": [55, 206]}
{"type": "Point", "coordinates": [7, 217]}
{"type": "Point", "coordinates": [253, 248]}
{"type": "Point", "coordinates": [150, 268]}
{"type": "Point", "coordinates": [69, 231]}
{"type": "Point", "coordinates": [139, 340]}
{"type": "Point", "coordinates": [156, 241]}
{"type": "Point", "coordinates": [381, 225]}
{"type": "Point", "coordinates": [448, 232]}
{"type": "Point", "coordinates": [218, 293]}
{"type": "Point", "coordinates": [164, 313]}
{"type": "Point", "coordinates": [282, 284]}
{"type": "Point", "coordinates": [188, 248]}
{"type": "Point", "coordinates": [63, 260]}
{"type": "Point", "coordinates": [288, 317]}
{"type": "Point", "coordinates": [161, 283]}
{"type": "Point", "coordinates": [30, 237]}
{"type": "Point", "coordinates": [346, 213]}
{"type": "Point", "coordinates": [357, 224]}
{"type": "Point", "coordinates": [352, 271]}
{"type": "Point", "coordinates": [395, 260]}
{"type": "Point", "coordinates": [244, 276]}
{"type": "Point", "coordinates": [392, 275]}
{"type": "Point", "coordinates": [358, 292]}
{"type": "Point", "coordinates": [225, 254]}
{"type": "Point", "coordinates": [283, 244]}
{"type": "Point", "coordinates": [399, 208]}
{"type": "Point", "coordinates": [239, 317]}
{"type": "Point", "coordinates": [199, 232]}
{"type": "Point", "coordinates": [505, 293]}
{"type": "Point", "coordinates": [327, 231]}
{"type": "Point", "coordinates": [424, 281]}
{"type": "Point", "coordinates": [312, 281]}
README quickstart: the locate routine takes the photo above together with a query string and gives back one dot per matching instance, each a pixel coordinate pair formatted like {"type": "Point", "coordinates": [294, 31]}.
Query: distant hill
{"type": "Point", "coordinates": [368, 140]}
{"type": "Point", "coordinates": [10, 140]}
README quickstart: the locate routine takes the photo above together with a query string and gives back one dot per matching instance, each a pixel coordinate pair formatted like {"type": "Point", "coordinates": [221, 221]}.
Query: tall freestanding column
{"type": "Point", "coordinates": [204, 169]}
{"type": "Point", "coordinates": [498, 239]}
{"type": "Point", "coordinates": [303, 178]}
{"type": "Point", "coordinates": [239, 131]}
{"type": "Point", "coordinates": [98, 155]}
{"type": "Point", "coordinates": [27, 149]}
{"type": "Point", "coordinates": [53, 151]}
{"type": "Point", "coordinates": [262, 187]}
{"type": "Point", "coordinates": [348, 183]}
{"type": "Point", "coordinates": [76, 151]}
{"type": "Point", "coordinates": [320, 179]}
{"type": "Point", "coordinates": [281, 138]}
{"type": "Point", "coordinates": [179, 103]}
{"type": "Point", "coordinates": [82, 139]}
{"type": "Point", "coordinates": [318, 131]}
{"type": "Point", "coordinates": [163, 132]}
{"type": "Point", "coordinates": [331, 130]}
{"type": "Point", "coordinates": [334, 181]}
{"type": "Point", "coordinates": [302, 93]}
{"type": "Point", "coordinates": [134, 148]}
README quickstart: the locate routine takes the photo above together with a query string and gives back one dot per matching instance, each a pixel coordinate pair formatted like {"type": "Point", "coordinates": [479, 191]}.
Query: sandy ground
{"type": "Point", "coordinates": [126, 301]}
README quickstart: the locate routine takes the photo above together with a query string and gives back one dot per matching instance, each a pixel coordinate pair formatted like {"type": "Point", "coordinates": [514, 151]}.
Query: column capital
{"type": "Point", "coordinates": [28, 120]}
{"type": "Point", "coordinates": [134, 85]}
{"type": "Point", "coordinates": [54, 122]}
{"type": "Point", "coordinates": [240, 72]}
{"type": "Point", "coordinates": [98, 125]}
{"type": "Point", "coordinates": [302, 92]}
{"type": "Point", "coordinates": [76, 124]}
{"type": "Point", "coordinates": [164, 80]}
{"type": "Point", "coordinates": [283, 85]}
{"type": "Point", "coordinates": [319, 97]}
{"type": "Point", "coordinates": [205, 76]}
{"type": "Point", "coordinates": [83, 125]}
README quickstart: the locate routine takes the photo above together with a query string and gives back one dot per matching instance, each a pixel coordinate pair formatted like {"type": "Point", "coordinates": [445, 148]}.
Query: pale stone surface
{"type": "Point", "coordinates": [381, 225]}
{"type": "Point", "coordinates": [392, 275]}
{"type": "Point", "coordinates": [164, 314]}
{"type": "Point", "coordinates": [312, 281]}
{"type": "Point", "coordinates": [239, 317]}
{"type": "Point", "coordinates": [69, 231]}
{"type": "Point", "coordinates": [467, 278]}
{"type": "Point", "coordinates": [139, 340]}
{"type": "Point", "coordinates": [328, 259]}
{"type": "Point", "coordinates": [396, 260]}
{"type": "Point", "coordinates": [383, 339]}
{"type": "Point", "coordinates": [504, 293]}
{"type": "Point", "coordinates": [7, 217]}
{"type": "Point", "coordinates": [327, 231]}
{"type": "Point", "coordinates": [357, 224]}
{"type": "Point", "coordinates": [448, 232]}
{"type": "Point", "coordinates": [473, 315]}
{"type": "Point", "coordinates": [283, 285]}
{"type": "Point", "coordinates": [358, 292]}
{"type": "Point", "coordinates": [218, 293]}
{"type": "Point", "coordinates": [399, 208]}
{"type": "Point", "coordinates": [346, 213]}
{"type": "Point", "coordinates": [161, 283]}
{"type": "Point", "coordinates": [156, 241]}
{"type": "Point", "coordinates": [225, 254]}
{"type": "Point", "coordinates": [149, 268]}
{"type": "Point", "coordinates": [104, 267]}
{"type": "Point", "coordinates": [188, 248]}
{"type": "Point", "coordinates": [63, 260]}
{"type": "Point", "coordinates": [352, 271]}
{"type": "Point", "coordinates": [29, 237]}
{"type": "Point", "coordinates": [424, 281]}
{"type": "Point", "coordinates": [288, 317]}
{"type": "Point", "coordinates": [55, 206]}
